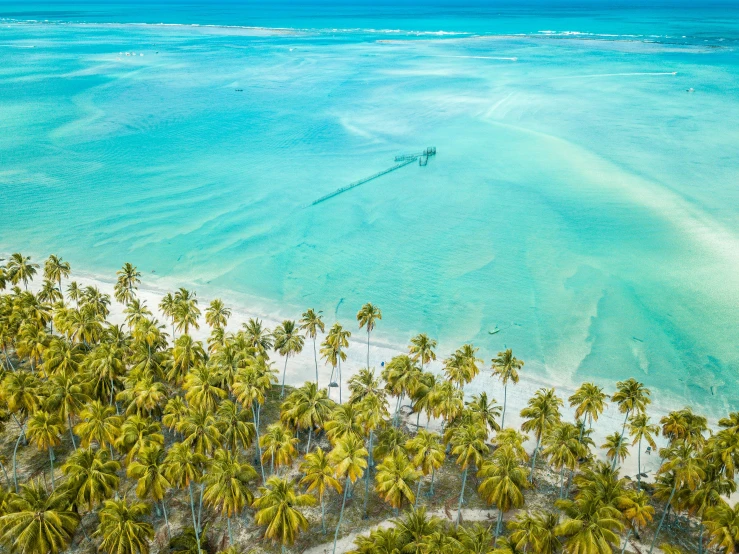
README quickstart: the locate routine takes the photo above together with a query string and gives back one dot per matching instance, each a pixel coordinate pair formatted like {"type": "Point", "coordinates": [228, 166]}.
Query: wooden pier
{"type": "Point", "coordinates": [402, 161]}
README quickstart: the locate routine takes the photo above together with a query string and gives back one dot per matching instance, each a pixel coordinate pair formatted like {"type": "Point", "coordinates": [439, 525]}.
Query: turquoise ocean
{"type": "Point", "coordinates": [584, 199]}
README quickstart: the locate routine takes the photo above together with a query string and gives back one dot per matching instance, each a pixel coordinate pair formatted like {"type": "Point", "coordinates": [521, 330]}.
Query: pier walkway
{"type": "Point", "coordinates": [402, 161]}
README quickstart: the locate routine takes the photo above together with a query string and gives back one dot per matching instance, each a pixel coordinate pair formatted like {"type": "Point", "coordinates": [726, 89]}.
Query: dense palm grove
{"type": "Point", "coordinates": [108, 427]}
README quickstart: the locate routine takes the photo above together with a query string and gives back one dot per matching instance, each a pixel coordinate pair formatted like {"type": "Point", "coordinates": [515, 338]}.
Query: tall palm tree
{"type": "Point", "coordinates": [55, 269]}
{"type": "Point", "coordinates": [200, 430]}
{"type": "Point", "coordinates": [150, 470]}
{"type": "Point", "coordinates": [416, 528]}
{"type": "Point", "coordinates": [227, 485]}
{"type": "Point", "coordinates": [616, 450]}
{"type": "Point", "coordinates": [709, 494]}
{"type": "Point", "coordinates": [630, 396]}
{"type": "Point", "coordinates": [93, 476]}
{"type": "Point", "coordinates": [428, 455]}
{"type": "Point", "coordinates": [333, 351]}
{"type": "Point", "coordinates": [278, 446]}
{"type": "Point", "coordinates": [258, 337]}
{"type": "Point", "coordinates": [288, 342]}
{"type": "Point", "coordinates": [186, 354]}
{"type": "Point", "coordinates": [535, 532]}
{"type": "Point", "coordinates": [38, 521]}
{"type": "Point", "coordinates": [641, 429]}
{"type": "Point", "coordinates": [99, 424]}
{"type": "Point", "coordinates": [137, 434]}
{"type": "Point", "coordinates": [503, 482]}
{"type": "Point", "coordinates": [399, 375]}
{"type": "Point", "coordinates": [167, 306]}
{"type": "Point", "coordinates": [183, 467]}
{"type": "Point", "coordinates": [45, 429]}
{"type": "Point", "coordinates": [589, 526]}
{"type": "Point", "coordinates": [237, 432]}
{"type": "Point", "coordinates": [540, 415]}
{"type": "Point", "coordinates": [468, 445]}
{"type": "Point", "coordinates": [217, 314]}
{"type": "Point", "coordinates": [395, 479]}
{"type": "Point", "coordinates": [123, 527]}
{"type": "Point", "coordinates": [278, 509]}
{"type": "Point", "coordinates": [186, 311]}
{"type": "Point", "coordinates": [461, 367]}
{"type": "Point", "coordinates": [686, 468]}
{"type": "Point", "coordinates": [638, 513]}
{"type": "Point", "coordinates": [505, 366]}
{"type": "Point", "coordinates": [311, 324]}
{"type": "Point", "coordinates": [367, 317]}
{"type": "Point", "coordinates": [128, 281]}
{"type": "Point", "coordinates": [349, 458]}
{"type": "Point", "coordinates": [564, 449]}
{"type": "Point", "coordinates": [723, 526]}
{"type": "Point", "coordinates": [309, 407]}
{"type": "Point", "coordinates": [67, 398]}
{"type": "Point", "coordinates": [319, 477]}
{"type": "Point", "coordinates": [485, 410]}
{"type": "Point", "coordinates": [20, 268]}
{"type": "Point", "coordinates": [589, 402]}
{"type": "Point", "coordinates": [422, 349]}
{"type": "Point", "coordinates": [203, 390]}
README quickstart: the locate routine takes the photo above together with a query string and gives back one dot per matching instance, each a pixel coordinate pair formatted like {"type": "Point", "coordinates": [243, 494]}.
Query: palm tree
{"type": "Point", "coordinates": [723, 526]}
{"type": "Point", "coordinates": [98, 423]}
{"type": "Point", "coordinates": [278, 446]}
{"type": "Point", "coordinates": [641, 429]}
{"type": "Point", "coordinates": [589, 526]}
{"type": "Point", "coordinates": [150, 470]}
{"type": "Point", "coordinates": [237, 431]}
{"type": "Point", "coordinates": [20, 268]}
{"type": "Point", "coordinates": [183, 467]}
{"type": "Point", "coordinates": [372, 415]}
{"type": "Point", "coordinates": [638, 513]}
{"type": "Point", "coordinates": [563, 449]}
{"type": "Point", "coordinates": [167, 306]}
{"type": "Point", "coordinates": [186, 311]}
{"type": "Point", "coordinates": [49, 293]}
{"type": "Point", "coordinates": [45, 429]}
{"type": "Point", "coordinates": [416, 529]}
{"type": "Point", "coordinates": [309, 407]}
{"type": "Point", "coordinates": [504, 479]}
{"type": "Point", "coordinates": [311, 323]}
{"type": "Point", "coordinates": [319, 477]}
{"type": "Point", "coordinates": [186, 354]}
{"type": "Point", "coordinates": [92, 476]}
{"type": "Point", "coordinates": [589, 401]}
{"type": "Point", "coordinates": [288, 342]}
{"type": "Point", "coordinates": [74, 292]}
{"type": "Point", "coordinates": [535, 532]}
{"type": "Point", "coordinates": [506, 367]}
{"type": "Point", "coordinates": [485, 411]}
{"type": "Point", "coordinates": [200, 430]}
{"type": "Point", "coordinates": [461, 367]}
{"type": "Point", "coordinates": [128, 280]}
{"type": "Point", "coordinates": [38, 521]}
{"type": "Point", "coordinates": [368, 316]}
{"type": "Point", "coordinates": [428, 455]}
{"type": "Point", "coordinates": [55, 268]}
{"type": "Point", "coordinates": [123, 527]}
{"type": "Point", "coordinates": [399, 375]}
{"type": "Point", "coordinates": [278, 508]}
{"type": "Point", "coordinates": [137, 434]}
{"type": "Point", "coordinates": [616, 450]}
{"type": "Point", "coordinates": [217, 314]}
{"type": "Point", "coordinates": [349, 458]}
{"type": "Point", "coordinates": [227, 485]}
{"type": "Point", "coordinates": [631, 396]}
{"type": "Point", "coordinates": [135, 312]}
{"type": "Point", "coordinates": [67, 397]}
{"type": "Point", "coordinates": [541, 414]}
{"type": "Point", "coordinates": [203, 390]}
{"type": "Point", "coordinates": [468, 445]}
{"type": "Point", "coordinates": [258, 336]}
{"type": "Point", "coordinates": [709, 494]}
{"type": "Point", "coordinates": [332, 350]}
{"type": "Point", "coordinates": [395, 479]}
{"type": "Point", "coordinates": [422, 349]}
{"type": "Point", "coordinates": [686, 469]}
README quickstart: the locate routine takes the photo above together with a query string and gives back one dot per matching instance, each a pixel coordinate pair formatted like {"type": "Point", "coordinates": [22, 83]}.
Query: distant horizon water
{"type": "Point", "coordinates": [582, 208]}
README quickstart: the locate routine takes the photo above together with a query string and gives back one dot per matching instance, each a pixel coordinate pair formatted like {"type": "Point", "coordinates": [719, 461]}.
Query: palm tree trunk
{"type": "Point", "coordinates": [259, 448]}
{"type": "Point", "coordinates": [664, 515]}
{"type": "Point", "coordinates": [51, 463]}
{"type": "Point", "coordinates": [166, 519]}
{"type": "Point", "coordinates": [194, 521]}
{"type": "Point", "coordinates": [505, 401]}
{"type": "Point", "coordinates": [71, 433]}
{"type": "Point", "coordinates": [433, 474]}
{"type": "Point", "coordinates": [561, 480]}
{"type": "Point", "coordinates": [366, 477]}
{"type": "Point", "coordinates": [418, 491]}
{"type": "Point", "coordinates": [461, 496]}
{"type": "Point", "coordinates": [500, 520]}
{"type": "Point", "coordinates": [284, 371]}
{"type": "Point", "coordinates": [315, 357]}
{"type": "Point", "coordinates": [200, 507]}
{"type": "Point", "coordinates": [5, 471]}
{"type": "Point", "coordinates": [15, 451]}
{"type": "Point", "coordinates": [620, 440]}
{"type": "Point", "coordinates": [323, 515]}
{"type": "Point", "coordinates": [368, 337]}
{"type": "Point", "coordinates": [310, 435]}
{"type": "Point", "coordinates": [230, 532]}
{"type": "Point", "coordinates": [533, 459]}
{"type": "Point", "coordinates": [638, 457]}
{"type": "Point", "coordinates": [626, 541]}
{"type": "Point", "coordinates": [341, 514]}
{"type": "Point", "coordinates": [339, 376]}
{"type": "Point", "coordinates": [700, 537]}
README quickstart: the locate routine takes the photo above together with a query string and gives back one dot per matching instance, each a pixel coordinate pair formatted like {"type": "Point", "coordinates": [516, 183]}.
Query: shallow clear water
{"type": "Point", "coordinates": [582, 199]}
